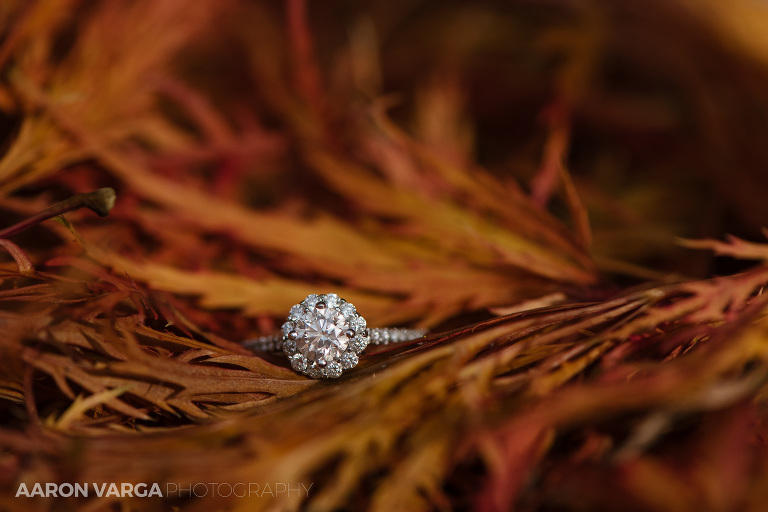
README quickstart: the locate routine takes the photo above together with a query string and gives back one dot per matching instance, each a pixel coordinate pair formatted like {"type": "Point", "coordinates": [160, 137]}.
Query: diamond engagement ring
{"type": "Point", "coordinates": [324, 335]}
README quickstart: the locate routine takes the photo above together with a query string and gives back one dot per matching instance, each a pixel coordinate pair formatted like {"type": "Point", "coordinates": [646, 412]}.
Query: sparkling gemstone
{"type": "Point", "coordinates": [295, 312]}
{"type": "Point", "coordinates": [333, 370]}
{"type": "Point", "coordinates": [314, 372]}
{"type": "Point", "coordinates": [347, 309]}
{"type": "Point", "coordinates": [349, 360]}
{"type": "Point", "coordinates": [298, 363]}
{"type": "Point", "coordinates": [322, 335]}
{"type": "Point", "coordinates": [359, 344]}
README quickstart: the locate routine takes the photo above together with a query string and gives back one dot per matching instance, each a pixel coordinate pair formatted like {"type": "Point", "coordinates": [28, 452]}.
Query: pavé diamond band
{"type": "Point", "coordinates": [324, 335]}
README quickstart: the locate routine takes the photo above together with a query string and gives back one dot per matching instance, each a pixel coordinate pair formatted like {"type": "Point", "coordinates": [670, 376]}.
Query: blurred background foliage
{"type": "Point", "coordinates": [517, 176]}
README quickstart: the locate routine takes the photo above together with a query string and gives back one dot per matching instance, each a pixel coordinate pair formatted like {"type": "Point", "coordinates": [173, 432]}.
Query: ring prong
{"type": "Point", "coordinates": [350, 333]}
{"type": "Point", "coordinates": [293, 335]}
{"type": "Point", "coordinates": [320, 305]}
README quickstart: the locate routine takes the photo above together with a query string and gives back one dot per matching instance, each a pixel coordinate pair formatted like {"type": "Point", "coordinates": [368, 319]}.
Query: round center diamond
{"type": "Point", "coordinates": [322, 335]}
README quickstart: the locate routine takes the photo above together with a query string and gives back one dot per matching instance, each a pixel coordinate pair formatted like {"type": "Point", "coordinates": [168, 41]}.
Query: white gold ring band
{"type": "Point", "coordinates": [324, 335]}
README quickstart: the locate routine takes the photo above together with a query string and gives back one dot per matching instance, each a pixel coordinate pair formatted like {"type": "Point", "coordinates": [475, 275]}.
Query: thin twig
{"type": "Point", "coordinates": [99, 201]}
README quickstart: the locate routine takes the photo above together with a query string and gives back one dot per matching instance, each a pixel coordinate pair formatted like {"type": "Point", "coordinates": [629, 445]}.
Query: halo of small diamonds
{"type": "Point", "coordinates": [324, 335]}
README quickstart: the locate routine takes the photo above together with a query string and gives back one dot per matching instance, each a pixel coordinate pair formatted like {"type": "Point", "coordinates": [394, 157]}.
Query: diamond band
{"type": "Point", "coordinates": [324, 335]}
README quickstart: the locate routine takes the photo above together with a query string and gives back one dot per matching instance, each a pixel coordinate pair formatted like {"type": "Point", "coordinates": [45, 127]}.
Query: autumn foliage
{"type": "Point", "coordinates": [562, 192]}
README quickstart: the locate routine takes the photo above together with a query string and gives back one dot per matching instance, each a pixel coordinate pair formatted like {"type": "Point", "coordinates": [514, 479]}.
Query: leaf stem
{"type": "Point", "coordinates": [99, 201]}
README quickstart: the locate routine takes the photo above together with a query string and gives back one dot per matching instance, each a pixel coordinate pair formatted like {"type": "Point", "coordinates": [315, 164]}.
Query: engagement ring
{"type": "Point", "coordinates": [324, 335]}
